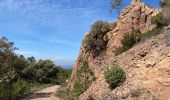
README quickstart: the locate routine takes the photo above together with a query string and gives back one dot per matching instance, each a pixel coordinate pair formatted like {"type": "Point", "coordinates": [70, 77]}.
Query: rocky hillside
{"type": "Point", "coordinates": [146, 65]}
{"type": "Point", "coordinates": [147, 68]}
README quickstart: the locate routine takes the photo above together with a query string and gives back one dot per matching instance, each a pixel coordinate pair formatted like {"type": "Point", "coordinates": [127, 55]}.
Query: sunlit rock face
{"type": "Point", "coordinates": [136, 16]}
{"type": "Point", "coordinates": [147, 68]}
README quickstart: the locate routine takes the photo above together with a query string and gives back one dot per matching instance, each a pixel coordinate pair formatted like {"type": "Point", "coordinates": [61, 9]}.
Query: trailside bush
{"type": "Point", "coordinates": [85, 76]}
{"type": "Point", "coordinates": [4, 93]}
{"type": "Point", "coordinates": [115, 76]}
{"type": "Point", "coordinates": [159, 20]}
{"type": "Point", "coordinates": [62, 75]}
{"type": "Point", "coordinates": [78, 87]}
{"type": "Point", "coordinates": [19, 88]}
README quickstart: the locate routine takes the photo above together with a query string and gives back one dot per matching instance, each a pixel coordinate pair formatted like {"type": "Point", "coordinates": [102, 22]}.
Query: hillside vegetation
{"type": "Point", "coordinates": [20, 75]}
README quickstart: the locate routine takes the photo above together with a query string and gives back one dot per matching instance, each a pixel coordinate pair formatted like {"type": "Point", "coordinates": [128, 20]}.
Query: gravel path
{"type": "Point", "coordinates": [44, 94]}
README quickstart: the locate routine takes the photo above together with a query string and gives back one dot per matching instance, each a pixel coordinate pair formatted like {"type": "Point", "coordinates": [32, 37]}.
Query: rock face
{"type": "Point", "coordinates": [146, 65]}
{"type": "Point", "coordinates": [147, 68]}
{"type": "Point", "coordinates": [137, 16]}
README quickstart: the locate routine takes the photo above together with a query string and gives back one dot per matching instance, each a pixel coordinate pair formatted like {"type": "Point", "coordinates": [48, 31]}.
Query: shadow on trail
{"type": "Point", "coordinates": [37, 96]}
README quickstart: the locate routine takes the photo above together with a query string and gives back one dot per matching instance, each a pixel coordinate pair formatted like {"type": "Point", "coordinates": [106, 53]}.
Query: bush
{"type": "Point", "coordinates": [65, 94]}
{"type": "Point", "coordinates": [78, 87]}
{"type": "Point", "coordinates": [62, 75]}
{"type": "Point", "coordinates": [115, 76]}
{"type": "Point", "coordinates": [4, 94]}
{"type": "Point", "coordinates": [165, 10]}
{"type": "Point", "coordinates": [159, 20]}
{"type": "Point", "coordinates": [14, 89]}
{"type": "Point", "coordinates": [94, 41]}
{"type": "Point", "coordinates": [150, 33]}
{"type": "Point", "coordinates": [19, 88]}
{"type": "Point", "coordinates": [128, 41]}
{"type": "Point", "coordinates": [164, 3]}
{"type": "Point", "coordinates": [85, 76]}
{"type": "Point", "coordinates": [99, 28]}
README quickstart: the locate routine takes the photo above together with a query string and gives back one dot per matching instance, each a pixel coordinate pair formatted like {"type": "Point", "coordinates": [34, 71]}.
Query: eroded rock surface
{"type": "Point", "coordinates": [147, 64]}
{"type": "Point", "coordinates": [147, 68]}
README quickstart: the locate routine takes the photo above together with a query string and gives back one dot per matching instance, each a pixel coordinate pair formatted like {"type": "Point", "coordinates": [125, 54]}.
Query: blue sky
{"type": "Point", "coordinates": [52, 29]}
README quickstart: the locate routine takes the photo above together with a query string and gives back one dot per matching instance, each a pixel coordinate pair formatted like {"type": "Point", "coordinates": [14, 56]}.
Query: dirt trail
{"type": "Point", "coordinates": [44, 94]}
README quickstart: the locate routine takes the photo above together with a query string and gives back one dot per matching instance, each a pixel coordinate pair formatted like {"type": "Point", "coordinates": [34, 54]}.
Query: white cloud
{"type": "Point", "coordinates": [49, 11]}
{"type": "Point", "coordinates": [27, 53]}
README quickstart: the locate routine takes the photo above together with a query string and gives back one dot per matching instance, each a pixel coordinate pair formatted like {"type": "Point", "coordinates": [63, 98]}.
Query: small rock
{"type": "Point", "coordinates": [138, 65]}
{"type": "Point", "coordinates": [150, 64]}
{"type": "Point", "coordinates": [130, 75]}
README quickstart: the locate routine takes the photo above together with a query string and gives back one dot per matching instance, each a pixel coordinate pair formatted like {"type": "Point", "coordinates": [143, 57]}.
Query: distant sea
{"type": "Point", "coordinates": [68, 67]}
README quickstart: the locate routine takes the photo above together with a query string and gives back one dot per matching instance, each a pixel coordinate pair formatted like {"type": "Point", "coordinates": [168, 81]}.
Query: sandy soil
{"type": "Point", "coordinates": [44, 94]}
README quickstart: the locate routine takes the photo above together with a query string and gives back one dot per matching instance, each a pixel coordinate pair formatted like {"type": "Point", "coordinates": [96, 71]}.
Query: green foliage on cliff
{"type": "Point", "coordinates": [164, 3]}
{"type": "Point", "coordinates": [159, 20]}
{"type": "Point", "coordinates": [85, 76]}
{"type": "Point", "coordinates": [134, 37]}
{"type": "Point", "coordinates": [99, 28]}
{"type": "Point", "coordinates": [128, 41]}
{"type": "Point", "coordinates": [94, 42]}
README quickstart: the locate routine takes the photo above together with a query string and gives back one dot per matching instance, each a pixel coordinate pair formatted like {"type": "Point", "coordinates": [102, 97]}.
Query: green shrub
{"type": "Point", "coordinates": [165, 10]}
{"type": "Point", "coordinates": [159, 20]}
{"type": "Point", "coordinates": [94, 41]}
{"type": "Point", "coordinates": [128, 41]}
{"type": "Point", "coordinates": [78, 87]}
{"type": "Point", "coordinates": [15, 90]}
{"type": "Point", "coordinates": [62, 75]}
{"type": "Point", "coordinates": [4, 90]}
{"type": "Point", "coordinates": [85, 76]}
{"type": "Point", "coordinates": [150, 33]}
{"type": "Point", "coordinates": [164, 3]}
{"type": "Point", "coordinates": [89, 42]}
{"type": "Point", "coordinates": [99, 28]}
{"type": "Point", "coordinates": [64, 94]}
{"type": "Point", "coordinates": [115, 76]}
{"type": "Point", "coordinates": [20, 87]}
